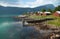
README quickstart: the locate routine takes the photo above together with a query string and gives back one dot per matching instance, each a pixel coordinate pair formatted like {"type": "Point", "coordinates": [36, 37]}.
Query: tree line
{"type": "Point", "coordinates": [49, 10]}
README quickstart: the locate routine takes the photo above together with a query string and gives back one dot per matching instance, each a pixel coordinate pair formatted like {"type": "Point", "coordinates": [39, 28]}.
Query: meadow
{"type": "Point", "coordinates": [55, 22]}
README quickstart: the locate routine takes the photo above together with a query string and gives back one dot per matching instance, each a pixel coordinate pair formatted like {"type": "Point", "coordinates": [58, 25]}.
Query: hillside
{"type": "Point", "coordinates": [19, 10]}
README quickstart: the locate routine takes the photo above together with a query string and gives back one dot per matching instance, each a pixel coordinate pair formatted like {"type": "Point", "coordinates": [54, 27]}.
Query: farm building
{"type": "Point", "coordinates": [38, 13]}
{"type": "Point", "coordinates": [31, 13]}
{"type": "Point", "coordinates": [43, 13]}
{"type": "Point", "coordinates": [57, 13]}
{"type": "Point", "coordinates": [46, 13]}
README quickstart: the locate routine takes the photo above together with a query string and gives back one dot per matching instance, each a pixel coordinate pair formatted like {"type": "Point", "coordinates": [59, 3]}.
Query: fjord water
{"type": "Point", "coordinates": [9, 27]}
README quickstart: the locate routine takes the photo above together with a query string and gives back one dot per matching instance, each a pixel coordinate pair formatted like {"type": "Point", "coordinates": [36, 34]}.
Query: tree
{"type": "Point", "coordinates": [43, 10]}
{"type": "Point", "coordinates": [56, 9]}
{"type": "Point", "coordinates": [49, 10]}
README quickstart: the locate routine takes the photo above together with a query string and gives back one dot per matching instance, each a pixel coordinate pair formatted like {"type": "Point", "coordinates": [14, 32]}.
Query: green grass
{"type": "Point", "coordinates": [55, 22]}
{"type": "Point", "coordinates": [40, 17]}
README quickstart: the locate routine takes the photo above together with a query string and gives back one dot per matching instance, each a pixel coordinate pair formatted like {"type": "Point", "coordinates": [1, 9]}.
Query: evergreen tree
{"type": "Point", "coordinates": [49, 10]}
{"type": "Point", "coordinates": [56, 9]}
{"type": "Point", "coordinates": [43, 10]}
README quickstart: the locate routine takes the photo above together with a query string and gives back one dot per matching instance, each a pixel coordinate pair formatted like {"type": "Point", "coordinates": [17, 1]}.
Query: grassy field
{"type": "Point", "coordinates": [55, 22]}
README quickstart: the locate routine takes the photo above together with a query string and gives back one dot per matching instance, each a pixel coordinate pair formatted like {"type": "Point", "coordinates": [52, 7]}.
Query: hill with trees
{"type": "Point", "coordinates": [19, 10]}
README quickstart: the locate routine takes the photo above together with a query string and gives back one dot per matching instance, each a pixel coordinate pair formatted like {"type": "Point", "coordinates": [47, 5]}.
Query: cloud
{"type": "Point", "coordinates": [35, 3]}
{"type": "Point", "coordinates": [25, 3]}
{"type": "Point", "coordinates": [38, 3]}
{"type": "Point", "coordinates": [12, 4]}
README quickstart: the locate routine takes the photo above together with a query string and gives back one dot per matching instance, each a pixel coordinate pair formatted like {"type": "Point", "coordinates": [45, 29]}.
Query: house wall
{"type": "Point", "coordinates": [44, 14]}
{"type": "Point", "coordinates": [56, 14]}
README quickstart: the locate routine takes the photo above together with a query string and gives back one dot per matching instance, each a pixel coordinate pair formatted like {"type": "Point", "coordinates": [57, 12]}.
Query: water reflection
{"type": "Point", "coordinates": [10, 29]}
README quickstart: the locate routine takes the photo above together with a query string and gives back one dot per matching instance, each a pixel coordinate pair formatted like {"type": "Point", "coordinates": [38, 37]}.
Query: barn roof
{"type": "Point", "coordinates": [47, 12]}
{"type": "Point", "coordinates": [58, 12]}
{"type": "Point", "coordinates": [40, 12]}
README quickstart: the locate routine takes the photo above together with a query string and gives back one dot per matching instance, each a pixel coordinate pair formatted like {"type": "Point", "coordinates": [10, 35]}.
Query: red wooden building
{"type": "Point", "coordinates": [57, 13]}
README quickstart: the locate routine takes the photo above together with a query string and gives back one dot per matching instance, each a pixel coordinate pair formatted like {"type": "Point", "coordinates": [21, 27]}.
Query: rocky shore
{"type": "Point", "coordinates": [48, 31]}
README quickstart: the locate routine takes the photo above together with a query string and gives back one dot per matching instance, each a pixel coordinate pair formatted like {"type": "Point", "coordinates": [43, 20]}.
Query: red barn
{"type": "Point", "coordinates": [57, 13]}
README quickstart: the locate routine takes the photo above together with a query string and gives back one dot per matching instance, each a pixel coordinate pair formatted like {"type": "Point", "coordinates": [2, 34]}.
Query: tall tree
{"type": "Point", "coordinates": [56, 9]}
{"type": "Point", "coordinates": [49, 10]}
{"type": "Point", "coordinates": [43, 10]}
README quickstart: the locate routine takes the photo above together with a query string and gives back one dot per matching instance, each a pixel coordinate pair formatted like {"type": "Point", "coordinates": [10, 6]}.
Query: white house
{"type": "Point", "coordinates": [46, 13]}
{"type": "Point", "coordinates": [58, 12]}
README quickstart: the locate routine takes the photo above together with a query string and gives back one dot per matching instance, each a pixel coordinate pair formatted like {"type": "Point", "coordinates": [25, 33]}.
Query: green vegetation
{"type": "Point", "coordinates": [55, 22]}
{"type": "Point", "coordinates": [39, 17]}
{"type": "Point", "coordinates": [43, 10]}
{"type": "Point", "coordinates": [52, 11]}
{"type": "Point", "coordinates": [49, 10]}
{"type": "Point", "coordinates": [56, 9]}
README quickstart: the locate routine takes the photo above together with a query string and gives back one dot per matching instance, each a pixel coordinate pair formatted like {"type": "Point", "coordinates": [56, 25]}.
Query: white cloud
{"type": "Point", "coordinates": [33, 4]}
{"type": "Point", "coordinates": [17, 4]}
{"type": "Point", "coordinates": [38, 3]}
{"type": "Point", "coordinates": [20, 3]}
{"type": "Point", "coordinates": [3, 4]}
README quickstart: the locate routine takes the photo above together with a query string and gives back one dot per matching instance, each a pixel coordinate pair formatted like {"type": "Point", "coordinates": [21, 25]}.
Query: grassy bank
{"type": "Point", "coordinates": [55, 22]}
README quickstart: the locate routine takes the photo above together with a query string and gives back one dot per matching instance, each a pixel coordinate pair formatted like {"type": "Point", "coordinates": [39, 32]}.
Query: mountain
{"type": "Point", "coordinates": [48, 6]}
{"type": "Point", "coordinates": [17, 10]}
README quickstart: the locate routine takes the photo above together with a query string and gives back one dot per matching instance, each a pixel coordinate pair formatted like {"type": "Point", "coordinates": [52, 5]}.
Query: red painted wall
{"type": "Point", "coordinates": [56, 14]}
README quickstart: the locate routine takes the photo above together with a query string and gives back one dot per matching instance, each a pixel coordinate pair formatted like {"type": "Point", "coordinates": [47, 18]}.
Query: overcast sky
{"type": "Point", "coordinates": [28, 3]}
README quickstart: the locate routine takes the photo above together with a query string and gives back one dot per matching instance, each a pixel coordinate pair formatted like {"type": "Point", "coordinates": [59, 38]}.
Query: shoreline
{"type": "Point", "coordinates": [43, 26]}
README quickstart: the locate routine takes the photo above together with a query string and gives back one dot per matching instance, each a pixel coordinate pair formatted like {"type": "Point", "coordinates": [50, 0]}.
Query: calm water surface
{"type": "Point", "coordinates": [11, 28]}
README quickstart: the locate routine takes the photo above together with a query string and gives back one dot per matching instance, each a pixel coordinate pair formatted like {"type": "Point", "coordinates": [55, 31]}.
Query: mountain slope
{"type": "Point", "coordinates": [49, 6]}
{"type": "Point", "coordinates": [16, 10]}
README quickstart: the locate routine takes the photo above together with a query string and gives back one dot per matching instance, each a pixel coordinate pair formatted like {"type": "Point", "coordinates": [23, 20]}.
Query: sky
{"type": "Point", "coordinates": [28, 3]}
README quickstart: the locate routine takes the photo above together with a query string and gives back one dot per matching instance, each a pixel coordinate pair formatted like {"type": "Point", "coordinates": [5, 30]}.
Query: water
{"type": "Point", "coordinates": [10, 28]}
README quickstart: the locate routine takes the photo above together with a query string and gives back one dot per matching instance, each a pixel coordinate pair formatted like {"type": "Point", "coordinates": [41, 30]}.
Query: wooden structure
{"type": "Point", "coordinates": [46, 13]}
{"type": "Point", "coordinates": [39, 13]}
{"type": "Point", "coordinates": [57, 13]}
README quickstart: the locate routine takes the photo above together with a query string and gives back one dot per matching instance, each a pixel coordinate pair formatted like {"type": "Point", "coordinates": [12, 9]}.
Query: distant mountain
{"type": "Point", "coordinates": [48, 6]}
{"type": "Point", "coordinates": [16, 10]}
